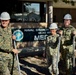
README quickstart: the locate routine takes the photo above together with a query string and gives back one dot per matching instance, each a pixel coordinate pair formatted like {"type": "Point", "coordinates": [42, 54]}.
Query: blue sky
{"type": "Point", "coordinates": [35, 6]}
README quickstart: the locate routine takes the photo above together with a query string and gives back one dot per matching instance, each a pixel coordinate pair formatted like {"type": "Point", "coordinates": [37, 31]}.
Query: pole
{"type": "Point", "coordinates": [17, 58]}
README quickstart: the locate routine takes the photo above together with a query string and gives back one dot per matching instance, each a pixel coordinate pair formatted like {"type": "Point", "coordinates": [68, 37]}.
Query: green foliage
{"type": "Point", "coordinates": [56, 0]}
{"type": "Point", "coordinates": [66, 1]}
{"type": "Point", "coordinates": [73, 3]}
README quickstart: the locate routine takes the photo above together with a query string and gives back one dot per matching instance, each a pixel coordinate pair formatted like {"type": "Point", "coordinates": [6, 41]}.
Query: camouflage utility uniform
{"type": "Point", "coordinates": [67, 47]}
{"type": "Point", "coordinates": [6, 54]}
{"type": "Point", "coordinates": [52, 51]}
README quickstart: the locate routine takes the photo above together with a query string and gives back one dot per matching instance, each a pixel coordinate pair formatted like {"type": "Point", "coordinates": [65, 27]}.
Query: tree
{"type": "Point", "coordinates": [67, 1]}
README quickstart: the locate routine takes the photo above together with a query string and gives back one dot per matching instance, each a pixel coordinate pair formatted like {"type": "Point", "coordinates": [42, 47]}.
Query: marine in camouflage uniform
{"type": "Point", "coordinates": [67, 44]}
{"type": "Point", "coordinates": [52, 51]}
{"type": "Point", "coordinates": [8, 65]}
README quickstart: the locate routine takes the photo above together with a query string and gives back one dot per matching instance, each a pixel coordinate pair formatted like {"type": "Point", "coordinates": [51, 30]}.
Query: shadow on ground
{"type": "Point", "coordinates": [33, 69]}
{"type": "Point", "coordinates": [40, 69]}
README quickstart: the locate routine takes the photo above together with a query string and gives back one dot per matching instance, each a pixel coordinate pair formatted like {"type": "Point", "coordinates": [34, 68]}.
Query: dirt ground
{"type": "Point", "coordinates": [35, 66]}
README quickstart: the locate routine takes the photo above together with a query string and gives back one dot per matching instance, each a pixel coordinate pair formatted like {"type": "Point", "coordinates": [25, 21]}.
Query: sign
{"type": "Point", "coordinates": [19, 35]}
{"type": "Point", "coordinates": [33, 34]}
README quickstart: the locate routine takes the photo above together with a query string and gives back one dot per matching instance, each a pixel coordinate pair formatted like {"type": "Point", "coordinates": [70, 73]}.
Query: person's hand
{"type": "Point", "coordinates": [15, 51]}
{"type": "Point", "coordinates": [75, 53]}
{"type": "Point", "coordinates": [13, 37]}
{"type": "Point", "coordinates": [60, 32]}
{"type": "Point", "coordinates": [74, 32]}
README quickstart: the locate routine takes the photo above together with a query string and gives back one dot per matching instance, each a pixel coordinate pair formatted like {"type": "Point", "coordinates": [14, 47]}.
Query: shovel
{"type": "Point", "coordinates": [17, 59]}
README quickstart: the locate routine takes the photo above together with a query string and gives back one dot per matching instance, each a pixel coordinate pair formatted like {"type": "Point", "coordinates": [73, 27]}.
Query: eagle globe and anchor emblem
{"type": "Point", "coordinates": [19, 35]}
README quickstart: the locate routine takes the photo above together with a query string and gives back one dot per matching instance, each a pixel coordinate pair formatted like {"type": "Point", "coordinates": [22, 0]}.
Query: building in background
{"type": "Point", "coordinates": [47, 10]}
{"type": "Point", "coordinates": [37, 14]}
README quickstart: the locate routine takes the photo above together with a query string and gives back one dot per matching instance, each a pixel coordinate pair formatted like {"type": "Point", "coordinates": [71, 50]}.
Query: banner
{"type": "Point", "coordinates": [32, 34]}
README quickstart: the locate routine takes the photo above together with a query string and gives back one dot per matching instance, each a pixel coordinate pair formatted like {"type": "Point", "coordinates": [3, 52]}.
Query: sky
{"type": "Point", "coordinates": [35, 6]}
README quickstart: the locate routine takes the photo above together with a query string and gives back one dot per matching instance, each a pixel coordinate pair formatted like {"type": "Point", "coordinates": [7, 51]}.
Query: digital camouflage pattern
{"type": "Point", "coordinates": [67, 47]}
{"type": "Point", "coordinates": [52, 50]}
{"type": "Point", "coordinates": [6, 55]}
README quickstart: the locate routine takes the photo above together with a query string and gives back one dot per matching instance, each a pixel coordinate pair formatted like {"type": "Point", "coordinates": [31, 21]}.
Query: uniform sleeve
{"type": "Point", "coordinates": [47, 39]}
{"type": "Point", "coordinates": [73, 29]}
{"type": "Point", "coordinates": [1, 43]}
{"type": "Point", "coordinates": [2, 46]}
{"type": "Point", "coordinates": [49, 42]}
